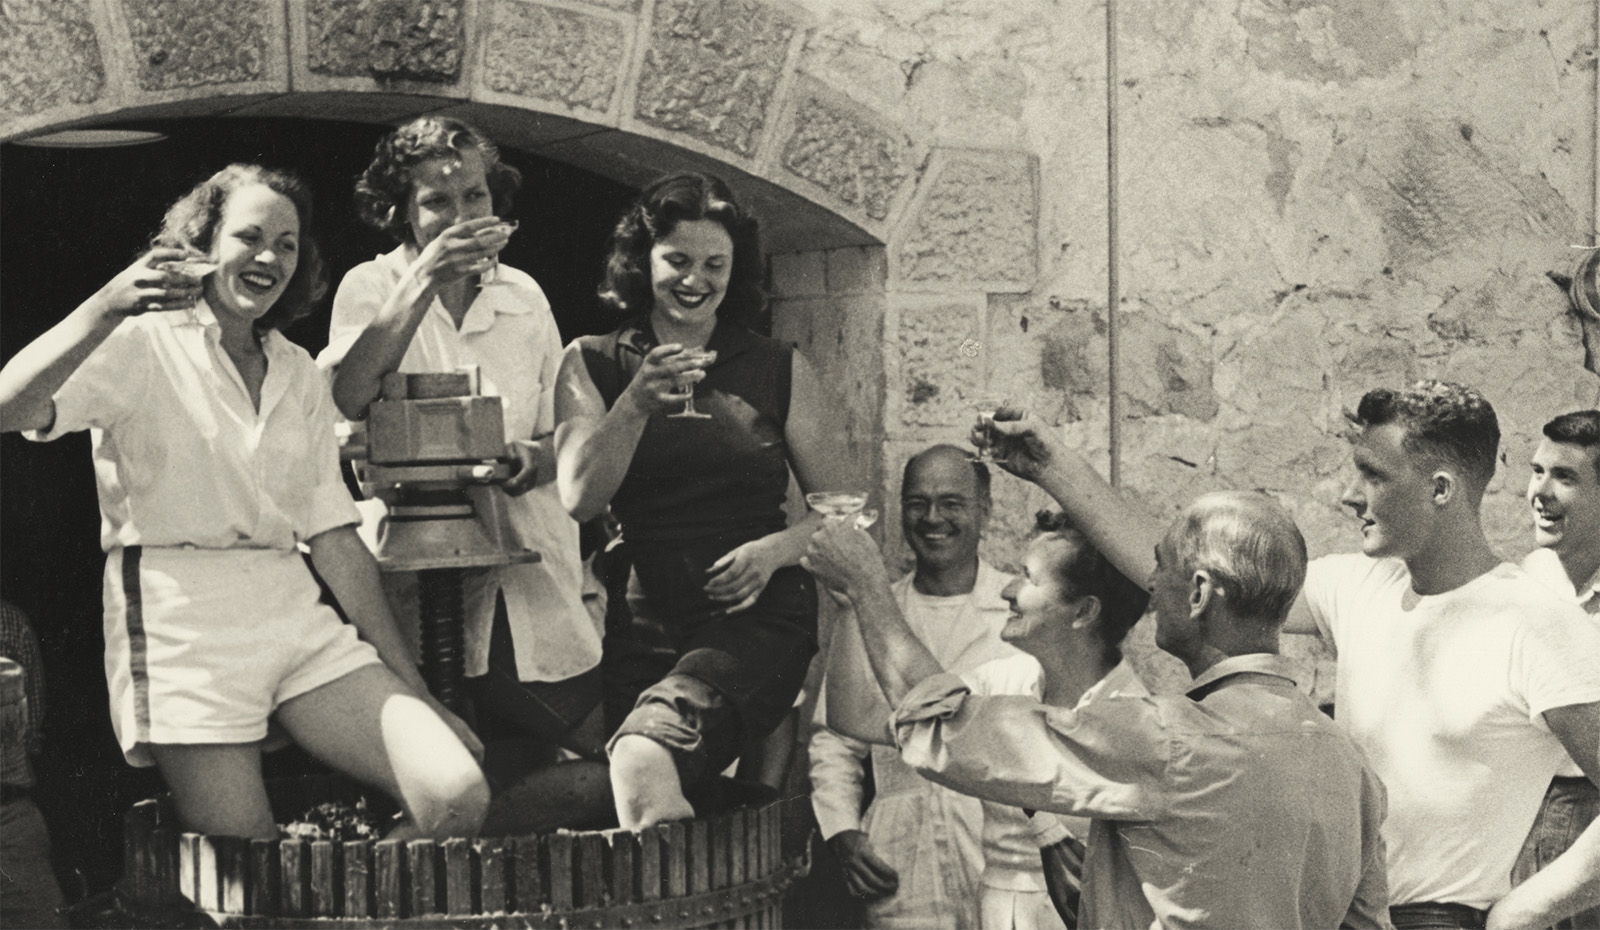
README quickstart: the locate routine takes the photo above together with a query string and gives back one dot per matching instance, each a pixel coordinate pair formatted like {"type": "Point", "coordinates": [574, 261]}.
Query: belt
{"type": "Point", "coordinates": [1571, 781]}
{"type": "Point", "coordinates": [1430, 914]}
{"type": "Point", "coordinates": [11, 793]}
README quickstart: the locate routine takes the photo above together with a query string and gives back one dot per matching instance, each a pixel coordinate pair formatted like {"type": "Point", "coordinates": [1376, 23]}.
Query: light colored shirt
{"type": "Point", "coordinates": [509, 334]}
{"type": "Point", "coordinates": [1239, 805]}
{"type": "Point", "coordinates": [935, 838]}
{"type": "Point", "coordinates": [1545, 567]}
{"type": "Point", "coordinates": [182, 457]}
{"type": "Point", "coordinates": [1445, 694]}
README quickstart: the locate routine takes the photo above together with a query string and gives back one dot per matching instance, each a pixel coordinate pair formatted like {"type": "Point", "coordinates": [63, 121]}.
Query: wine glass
{"type": "Point", "coordinates": [986, 405]}
{"type": "Point", "coordinates": [700, 358]}
{"type": "Point", "coordinates": [195, 266]}
{"type": "Point", "coordinates": [837, 505]}
{"type": "Point", "coordinates": [503, 228]}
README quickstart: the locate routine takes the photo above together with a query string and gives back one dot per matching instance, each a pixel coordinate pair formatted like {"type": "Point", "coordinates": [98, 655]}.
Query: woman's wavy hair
{"type": "Point", "coordinates": [653, 216]}
{"type": "Point", "coordinates": [383, 189]}
{"type": "Point", "coordinates": [192, 222]}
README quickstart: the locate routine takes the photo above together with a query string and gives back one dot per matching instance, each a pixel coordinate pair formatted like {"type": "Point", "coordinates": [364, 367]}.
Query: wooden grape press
{"type": "Point", "coordinates": [434, 451]}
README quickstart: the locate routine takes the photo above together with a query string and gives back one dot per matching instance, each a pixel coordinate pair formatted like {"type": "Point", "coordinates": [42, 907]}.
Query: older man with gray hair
{"type": "Point", "coordinates": [1238, 804]}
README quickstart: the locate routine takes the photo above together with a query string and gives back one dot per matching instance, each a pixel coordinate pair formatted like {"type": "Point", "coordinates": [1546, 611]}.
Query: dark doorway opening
{"type": "Point", "coordinates": [69, 220]}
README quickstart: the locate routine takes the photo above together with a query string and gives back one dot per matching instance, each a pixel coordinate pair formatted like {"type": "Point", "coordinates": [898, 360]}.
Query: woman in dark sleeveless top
{"type": "Point", "coordinates": [700, 501]}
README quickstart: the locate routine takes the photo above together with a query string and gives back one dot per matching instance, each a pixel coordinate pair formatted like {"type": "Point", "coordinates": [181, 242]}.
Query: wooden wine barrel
{"type": "Point", "coordinates": [726, 870]}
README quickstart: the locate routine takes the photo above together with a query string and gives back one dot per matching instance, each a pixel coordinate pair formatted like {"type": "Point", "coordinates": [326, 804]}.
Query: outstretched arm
{"type": "Point", "coordinates": [1124, 533]}
{"type": "Point", "coordinates": [846, 560]}
{"type": "Point", "coordinates": [29, 381]}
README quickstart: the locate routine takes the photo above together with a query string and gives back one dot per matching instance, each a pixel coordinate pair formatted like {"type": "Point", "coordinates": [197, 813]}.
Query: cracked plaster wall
{"type": "Point", "coordinates": [1318, 197]}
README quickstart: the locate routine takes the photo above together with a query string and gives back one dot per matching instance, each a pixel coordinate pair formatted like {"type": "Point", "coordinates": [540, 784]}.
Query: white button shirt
{"type": "Point", "coordinates": [509, 334]}
{"type": "Point", "coordinates": [181, 455]}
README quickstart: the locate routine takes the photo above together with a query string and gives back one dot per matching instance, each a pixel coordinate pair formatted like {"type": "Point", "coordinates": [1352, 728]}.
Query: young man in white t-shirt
{"type": "Point", "coordinates": [1464, 681]}
{"type": "Point", "coordinates": [1564, 498]}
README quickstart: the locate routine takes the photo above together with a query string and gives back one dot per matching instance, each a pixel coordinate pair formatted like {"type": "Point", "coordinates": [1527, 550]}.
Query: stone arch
{"type": "Point", "coordinates": [885, 245]}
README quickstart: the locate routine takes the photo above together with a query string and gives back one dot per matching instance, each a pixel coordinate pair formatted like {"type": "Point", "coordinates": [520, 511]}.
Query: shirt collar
{"type": "Point", "coordinates": [492, 298]}
{"type": "Point", "coordinates": [1261, 663]}
{"type": "Point", "coordinates": [1545, 566]}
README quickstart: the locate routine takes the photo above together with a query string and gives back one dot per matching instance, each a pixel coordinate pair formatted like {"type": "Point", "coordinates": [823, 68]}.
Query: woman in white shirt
{"type": "Point", "coordinates": [215, 463]}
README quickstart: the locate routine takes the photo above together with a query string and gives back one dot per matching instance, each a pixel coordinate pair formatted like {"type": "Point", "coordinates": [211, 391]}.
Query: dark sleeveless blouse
{"type": "Point", "coordinates": [721, 478]}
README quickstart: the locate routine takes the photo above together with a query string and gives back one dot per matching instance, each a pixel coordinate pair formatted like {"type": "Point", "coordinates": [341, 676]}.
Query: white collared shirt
{"type": "Point", "coordinates": [182, 457]}
{"type": "Point", "coordinates": [509, 334]}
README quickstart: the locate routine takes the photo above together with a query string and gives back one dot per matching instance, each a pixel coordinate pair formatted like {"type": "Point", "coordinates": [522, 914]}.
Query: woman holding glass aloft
{"type": "Point", "coordinates": [700, 500]}
{"type": "Point", "coordinates": [441, 300]}
{"type": "Point", "coordinates": [215, 460]}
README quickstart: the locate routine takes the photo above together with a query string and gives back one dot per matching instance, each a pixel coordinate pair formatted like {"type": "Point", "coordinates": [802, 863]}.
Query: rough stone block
{"type": "Point", "coordinates": [939, 382]}
{"type": "Point", "coordinates": [193, 43]}
{"type": "Point", "coordinates": [976, 225]}
{"type": "Point", "coordinates": [862, 163]}
{"type": "Point", "coordinates": [416, 40]}
{"type": "Point", "coordinates": [799, 274]}
{"type": "Point", "coordinates": [547, 53]}
{"type": "Point", "coordinates": [856, 269]}
{"type": "Point", "coordinates": [712, 68]}
{"type": "Point", "coordinates": [49, 57]}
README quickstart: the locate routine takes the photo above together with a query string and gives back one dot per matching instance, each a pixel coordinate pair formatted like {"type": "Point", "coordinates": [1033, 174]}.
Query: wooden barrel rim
{"type": "Point", "coordinates": [729, 869]}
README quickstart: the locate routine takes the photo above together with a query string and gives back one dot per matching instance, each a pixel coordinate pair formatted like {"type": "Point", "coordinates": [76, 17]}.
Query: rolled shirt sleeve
{"type": "Point", "coordinates": [105, 388]}
{"type": "Point", "coordinates": [1109, 759]}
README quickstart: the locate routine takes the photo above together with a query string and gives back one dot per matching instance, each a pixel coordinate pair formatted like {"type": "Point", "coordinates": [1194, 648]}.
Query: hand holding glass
{"type": "Point", "coordinates": [986, 407]}
{"type": "Point", "coordinates": [504, 228]}
{"type": "Point", "coordinates": [701, 359]}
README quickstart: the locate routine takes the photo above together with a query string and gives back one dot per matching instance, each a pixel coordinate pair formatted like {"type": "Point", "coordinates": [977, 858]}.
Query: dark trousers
{"type": "Point", "coordinates": [1569, 806]}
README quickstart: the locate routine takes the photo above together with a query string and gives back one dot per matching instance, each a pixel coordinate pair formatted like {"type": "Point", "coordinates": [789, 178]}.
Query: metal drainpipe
{"type": "Point", "coordinates": [1113, 284]}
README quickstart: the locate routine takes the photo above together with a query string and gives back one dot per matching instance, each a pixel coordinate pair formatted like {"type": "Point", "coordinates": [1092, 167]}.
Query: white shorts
{"type": "Point", "coordinates": [202, 645]}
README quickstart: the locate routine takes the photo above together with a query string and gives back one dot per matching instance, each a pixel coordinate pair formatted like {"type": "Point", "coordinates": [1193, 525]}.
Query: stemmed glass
{"type": "Point", "coordinates": [699, 358]}
{"type": "Point", "coordinates": [503, 228]}
{"type": "Point", "coordinates": [986, 405]}
{"type": "Point", "coordinates": [835, 506]}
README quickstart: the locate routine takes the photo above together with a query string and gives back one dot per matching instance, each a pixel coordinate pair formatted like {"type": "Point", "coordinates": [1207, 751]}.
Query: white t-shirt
{"type": "Point", "coordinates": [509, 334]}
{"type": "Point", "coordinates": [1445, 695]}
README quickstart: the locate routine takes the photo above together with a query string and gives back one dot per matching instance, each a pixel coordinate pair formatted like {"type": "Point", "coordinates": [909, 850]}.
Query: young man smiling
{"type": "Point", "coordinates": [1564, 497]}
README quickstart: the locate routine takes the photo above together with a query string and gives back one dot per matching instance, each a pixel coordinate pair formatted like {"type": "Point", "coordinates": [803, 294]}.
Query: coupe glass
{"type": "Point", "coordinates": [504, 228]}
{"type": "Point", "coordinates": [837, 505]}
{"type": "Point", "coordinates": [700, 358]}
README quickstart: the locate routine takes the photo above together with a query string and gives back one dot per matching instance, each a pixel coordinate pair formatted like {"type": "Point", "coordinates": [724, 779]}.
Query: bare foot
{"type": "Point", "coordinates": [645, 784]}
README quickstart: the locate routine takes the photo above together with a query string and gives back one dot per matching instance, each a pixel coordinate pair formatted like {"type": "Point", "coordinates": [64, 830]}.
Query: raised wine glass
{"type": "Point", "coordinates": [837, 505]}
{"type": "Point", "coordinates": [700, 358]}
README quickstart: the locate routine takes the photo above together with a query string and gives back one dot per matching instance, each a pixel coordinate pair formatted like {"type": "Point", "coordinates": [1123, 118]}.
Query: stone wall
{"type": "Point", "coordinates": [1318, 196]}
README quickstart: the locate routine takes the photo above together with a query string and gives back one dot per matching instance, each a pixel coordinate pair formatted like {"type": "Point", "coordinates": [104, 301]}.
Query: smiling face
{"type": "Point", "coordinates": [689, 269]}
{"type": "Point", "coordinates": [444, 192]}
{"type": "Point", "coordinates": [1392, 494]}
{"type": "Point", "coordinates": [941, 513]}
{"type": "Point", "coordinates": [256, 247]}
{"type": "Point", "coordinates": [1042, 607]}
{"type": "Point", "coordinates": [1564, 495]}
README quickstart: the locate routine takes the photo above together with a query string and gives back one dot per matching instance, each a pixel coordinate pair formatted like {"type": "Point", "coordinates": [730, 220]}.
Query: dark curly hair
{"type": "Point", "coordinates": [383, 189]}
{"type": "Point", "coordinates": [1443, 422]}
{"type": "Point", "coordinates": [192, 222]}
{"type": "Point", "coordinates": [653, 216]}
{"type": "Point", "coordinates": [1086, 571]}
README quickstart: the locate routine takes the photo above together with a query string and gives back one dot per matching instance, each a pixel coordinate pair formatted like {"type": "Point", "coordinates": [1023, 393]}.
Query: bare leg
{"type": "Point", "coordinates": [371, 727]}
{"type": "Point", "coordinates": [645, 784]}
{"type": "Point", "coordinates": [217, 787]}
